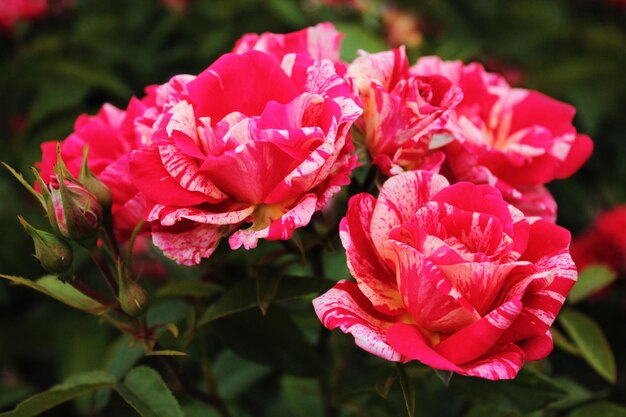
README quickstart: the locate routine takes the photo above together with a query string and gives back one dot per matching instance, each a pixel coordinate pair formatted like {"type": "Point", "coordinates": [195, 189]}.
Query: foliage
{"type": "Point", "coordinates": [237, 336]}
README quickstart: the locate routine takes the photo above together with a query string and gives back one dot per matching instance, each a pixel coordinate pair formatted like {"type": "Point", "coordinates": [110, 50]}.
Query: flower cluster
{"type": "Point", "coordinates": [458, 262]}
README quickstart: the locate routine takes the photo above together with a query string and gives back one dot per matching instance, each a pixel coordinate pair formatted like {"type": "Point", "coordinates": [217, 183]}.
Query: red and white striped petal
{"type": "Point", "coordinates": [232, 213]}
{"type": "Point", "coordinates": [185, 171]}
{"type": "Point", "coordinates": [427, 294]}
{"type": "Point", "coordinates": [279, 229]}
{"type": "Point", "coordinates": [538, 347]}
{"type": "Point", "coordinates": [344, 306]}
{"type": "Point", "coordinates": [479, 282]}
{"type": "Point", "coordinates": [502, 362]}
{"type": "Point", "coordinates": [375, 279]}
{"type": "Point", "coordinates": [478, 338]}
{"type": "Point", "coordinates": [188, 245]}
{"type": "Point", "coordinates": [400, 198]}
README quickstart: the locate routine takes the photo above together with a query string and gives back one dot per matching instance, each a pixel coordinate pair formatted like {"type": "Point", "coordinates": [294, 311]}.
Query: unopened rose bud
{"type": "Point", "coordinates": [76, 211]}
{"type": "Point", "coordinates": [54, 254]}
{"type": "Point", "coordinates": [94, 184]}
{"type": "Point", "coordinates": [133, 297]}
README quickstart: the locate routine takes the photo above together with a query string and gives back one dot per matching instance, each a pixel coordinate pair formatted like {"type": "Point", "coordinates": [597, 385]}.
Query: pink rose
{"type": "Point", "coordinates": [250, 140]}
{"type": "Point", "coordinates": [604, 242]}
{"type": "Point", "coordinates": [12, 11]}
{"type": "Point", "coordinates": [512, 138]}
{"type": "Point", "coordinates": [321, 41]}
{"type": "Point", "coordinates": [110, 136]}
{"type": "Point", "coordinates": [400, 110]}
{"type": "Point", "coordinates": [449, 275]}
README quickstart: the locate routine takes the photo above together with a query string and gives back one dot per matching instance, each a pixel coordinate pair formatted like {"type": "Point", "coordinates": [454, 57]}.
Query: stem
{"type": "Point", "coordinates": [84, 289]}
{"type": "Point", "coordinates": [370, 178]}
{"type": "Point", "coordinates": [109, 235]}
{"type": "Point", "coordinates": [104, 269]}
{"type": "Point", "coordinates": [216, 401]}
{"type": "Point", "coordinates": [317, 261]}
{"type": "Point", "coordinates": [325, 381]}
{"type": "Point", "coordinates": [212, 398]}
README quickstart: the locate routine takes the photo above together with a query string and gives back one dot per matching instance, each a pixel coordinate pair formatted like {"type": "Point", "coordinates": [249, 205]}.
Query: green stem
{"type": "Point", "coordinates": [105, 271]}
{"type": "Point", "coordinates": [211, 398]}
{"type": "Point", "coordinates": [94, 295]}
{"type": "Point", "coordinates": [325, 380]}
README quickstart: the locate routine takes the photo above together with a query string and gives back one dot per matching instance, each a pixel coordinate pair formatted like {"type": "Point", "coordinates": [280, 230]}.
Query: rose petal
{"type": "Point", "coordinates": [345, 307]}
{"type": "Point", "coordinates": [478, 338]}
{"type": "Point", "coordinates": [280, 229]}
{"type": "Point", "coordinates": [375, 279]}
{"type": "Point", "coordinates": [187, 245]}
{"type": "Point", "coordinates": [156, 183]}
{"type": "Point", "coordinates": [399, 199]}
{"type": "Point", "coordinates": [407, 340]}
{"type": "Point", "coordinates": [427, 294]}
{"type": "Point", "coordinates": [243, 83]}
{"type": "Point", "coordinates": [502, 362]}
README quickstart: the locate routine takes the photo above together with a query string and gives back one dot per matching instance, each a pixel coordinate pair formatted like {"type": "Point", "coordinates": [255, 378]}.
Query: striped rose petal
{"type": "Point", "coordinates": [345, 307]}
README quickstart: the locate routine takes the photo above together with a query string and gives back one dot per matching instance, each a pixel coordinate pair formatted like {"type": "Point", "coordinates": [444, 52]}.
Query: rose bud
{"type": "Point", "coordinates": [54, 254]}
{"type": "Point", "coordinates": [76, 212]}
{"type": "Point", "coordinates": [133, 297]}
{"type": "Point", "coordinates": [94, 184]}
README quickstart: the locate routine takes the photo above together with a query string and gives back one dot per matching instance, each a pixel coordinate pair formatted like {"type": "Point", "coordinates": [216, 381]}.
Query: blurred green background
{"type": "Point", "coordinates": [83, 54]}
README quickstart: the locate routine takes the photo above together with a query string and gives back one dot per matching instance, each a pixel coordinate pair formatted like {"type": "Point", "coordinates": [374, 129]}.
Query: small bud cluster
{"type": "Point", "coordinates": [78, 209]}
{"type": "Point", "coordinates": [74, 207]}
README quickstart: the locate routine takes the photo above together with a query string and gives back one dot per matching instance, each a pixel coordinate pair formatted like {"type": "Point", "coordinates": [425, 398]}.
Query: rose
{"type": "Point", "coordinates": [512, 138]}
{"type": "Point", "coordinates": [450, 275]}
{"type": "Point", "coordinates": [110, 136]}
{"type": "Point", "coordinates": [604, 242]}
{"type": "Point", "coordinates": [12, 11]}
{"type": "Point", "coordinates": [400, 110]}
{"type": "Point", "coordinates": [251, 140]}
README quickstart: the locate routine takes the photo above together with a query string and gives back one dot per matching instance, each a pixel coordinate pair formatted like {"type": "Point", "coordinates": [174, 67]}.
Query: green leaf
{"type": "Point", "coordinates": [408, 390]}
{"type": "Point", "coordinates": [591, 280]}
{"type": "Point", "coordinates": [600, 409]}
{"type": "Point", "coordinates": [190, 288]}
{"type": "Point", "coordinates": [167, 311]}
{"type": "Point", "coordinates": [273, 339]}
{"type": "Point", "coordinates": [71, 388]}
{"type": "Point", "coordinates": [61, 291]}
{"type": "Point", "coordinates": [237, 375]}
{"type": "Point", "coordinates": [91, 76]}
{"type": "Point", "coordinates": [302, 397]}
{"type": "Point", "coordinates": [266, 288]}
{"type": "Point", "coordinates": [56, 97]}
{"type": "Point", "coordinates": [166, 352]}
{"type": "Point", "coordinates": [146, 392]}
{"type": "Point", "coordinates": [528, 392]}
{"type": "Point", "coordinates": [383, 389]}
{"type": "Point", "coordinates": [120, 358]}
{"type": "Point", "coordinates": [482, 410]}
{"type": "Point", "coordinates": [562, 342]}
{"type": "Point", "coordinates": [444, 376]}
{"type": "Point", "coordinates": [13, 394]}
{"type": "Point", "coordinates": [243, 296]}
{"type": "Point", "coordinates": [288, 11]}
{"type": "Point", "coordinates": [594, 347]}
{"type": "Point", "coordinates": [576, 394]}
